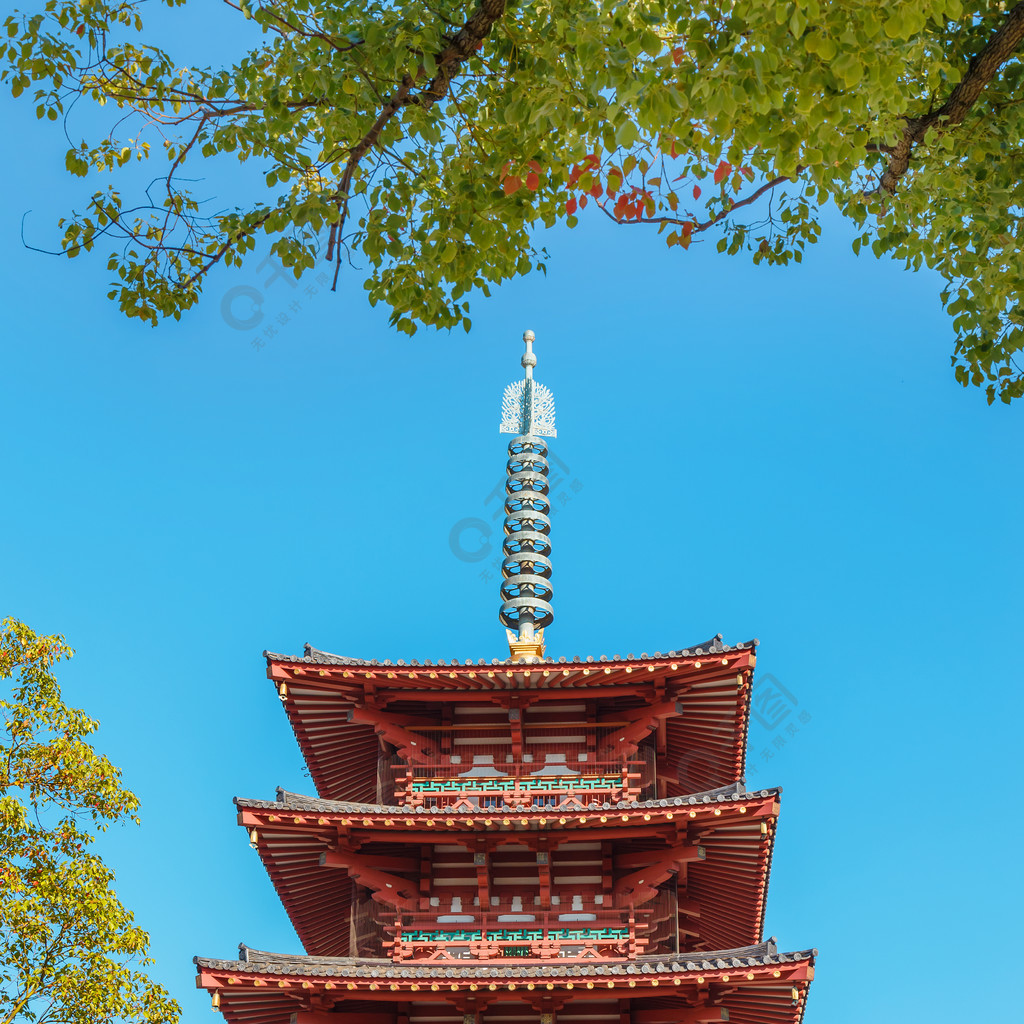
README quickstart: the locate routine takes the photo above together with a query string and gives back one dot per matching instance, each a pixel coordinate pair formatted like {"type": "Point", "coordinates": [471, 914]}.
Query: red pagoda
{"type": "Point", "coordinates": [519, 841]}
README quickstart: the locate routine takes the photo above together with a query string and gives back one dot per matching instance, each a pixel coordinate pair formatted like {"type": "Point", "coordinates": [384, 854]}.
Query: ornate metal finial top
{"type": "Point", "coordinates": [528, 407]}
{"type": "Point", "coordinates": [528, 411]}
{"type": "Point", "coordinates": [529, 360]}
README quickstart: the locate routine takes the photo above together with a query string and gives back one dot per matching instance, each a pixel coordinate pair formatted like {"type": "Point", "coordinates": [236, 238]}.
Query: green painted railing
{"type": "Point", "coordinates": [545, 784]}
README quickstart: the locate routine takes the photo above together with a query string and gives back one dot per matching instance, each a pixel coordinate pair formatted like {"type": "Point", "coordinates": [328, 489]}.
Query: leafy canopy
{"type": "Point", "coordinates": [69, 950]}
{"type": "Point", "coordinates": [427, 140]}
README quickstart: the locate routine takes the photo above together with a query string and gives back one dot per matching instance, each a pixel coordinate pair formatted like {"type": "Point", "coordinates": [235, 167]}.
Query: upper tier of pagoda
{"type": "Point", "coordinates": [609, 716]}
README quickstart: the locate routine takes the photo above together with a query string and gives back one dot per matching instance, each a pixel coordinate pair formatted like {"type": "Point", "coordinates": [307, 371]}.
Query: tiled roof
{"type": "Point", "coordinates": [296, 801]}
{"type": "Point", "coordinates": [254, 961]}
{"type": "Point", "coordinates": [312, 656]}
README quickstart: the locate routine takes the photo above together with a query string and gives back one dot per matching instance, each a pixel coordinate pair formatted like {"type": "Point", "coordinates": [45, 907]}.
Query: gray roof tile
{"type": "Point", "coordinates": [254, 961]}
{"type": "Point", "coordinates": [296, 801]}
{"type": "Point", "coordinates": [312, 656]}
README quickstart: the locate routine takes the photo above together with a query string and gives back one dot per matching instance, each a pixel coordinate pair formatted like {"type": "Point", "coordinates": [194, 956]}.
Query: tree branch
{"type": "Point", "coordinates": [768, 186]}
{"type": "Point", "coordinates": [461, 46]}
{"type": "Point", "coordinates": [981, 70]}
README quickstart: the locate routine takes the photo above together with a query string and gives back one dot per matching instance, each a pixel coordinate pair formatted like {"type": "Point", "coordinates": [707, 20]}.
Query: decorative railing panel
{"type": "Point", "coordinates": [483, 786]}
{"type": "Point", "coordinates": [608, 934]}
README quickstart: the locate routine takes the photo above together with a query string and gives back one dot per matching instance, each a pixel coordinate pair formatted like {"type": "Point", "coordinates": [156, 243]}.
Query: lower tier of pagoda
{"type": "Point", "coordinates": [751, 985]}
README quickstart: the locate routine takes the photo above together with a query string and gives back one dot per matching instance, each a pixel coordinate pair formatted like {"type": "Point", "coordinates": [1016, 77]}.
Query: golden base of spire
{"type": "Point", "coordinates": [532, 648]}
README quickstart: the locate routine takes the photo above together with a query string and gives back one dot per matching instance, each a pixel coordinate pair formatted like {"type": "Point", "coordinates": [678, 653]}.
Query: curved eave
{"type": "Point", "coordinates": [711, 803]}
{"type": "Point", "coordinates": [755, 985]}
{"type": "Point", "coordinates": [714, 646]}
{"type": "Point", "coordinates": [469, 677]}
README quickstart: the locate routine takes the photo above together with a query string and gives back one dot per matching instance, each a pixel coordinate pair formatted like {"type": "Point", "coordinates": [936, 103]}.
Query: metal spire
{"type": "Point", "coordinates": [528, 411]}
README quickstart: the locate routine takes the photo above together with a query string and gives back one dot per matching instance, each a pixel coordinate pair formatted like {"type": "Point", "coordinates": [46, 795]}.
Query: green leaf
{"type": "Point", "coordinates": [626, 134]}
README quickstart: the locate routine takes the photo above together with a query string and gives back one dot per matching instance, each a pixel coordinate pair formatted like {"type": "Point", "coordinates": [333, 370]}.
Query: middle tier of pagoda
{"type": "Point", "coordinates": [679, 875]}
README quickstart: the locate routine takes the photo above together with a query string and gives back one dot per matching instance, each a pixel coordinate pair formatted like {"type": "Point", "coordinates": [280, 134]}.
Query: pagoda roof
{"type": "Point", "coordinates": [313, 656]}
{"type": "Point", "coordinates": [710, 682]}
{"type": "Point", "coordinates": [748, 985]}
{"type": "Point", "coordinates": [255, 961]}
{"type": "Point", "coordinates": [288, 801]}
{"type": "Point", "coordinates": [293, 831]}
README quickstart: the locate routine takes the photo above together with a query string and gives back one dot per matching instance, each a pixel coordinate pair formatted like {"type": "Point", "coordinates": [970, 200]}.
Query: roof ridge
{"type": "Point", "coordinates": [315, 656]}
{"type": "Point", "coordinates": [732, 792]}
{"type": "Point", "coordinates": [765, 952]}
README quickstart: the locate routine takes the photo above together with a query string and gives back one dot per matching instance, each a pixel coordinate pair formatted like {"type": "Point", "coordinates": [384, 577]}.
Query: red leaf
{"type": "Point", "coordinates": [677, 55]}
{"type": "Point", "coordinates": [533, 181]}
{"type": "Point", "coordinates": [722, 172]}
{"type": "Point", "coordinates": [511, 185]}
{"type": "Point", "coordinates": [696, 191]}
{"type": "Point", "coordinates": [596, 191]}
{"type": "Point", "coordinates": [534, 166]}
{"type": "Point", "coordinates": [688, 228]}
{"type": "Point", "coordinates": [583, 202]}
{"type": "Point", "coordinates": [672, 151]}
{"type": "Point", "coordinates": [570, 207]}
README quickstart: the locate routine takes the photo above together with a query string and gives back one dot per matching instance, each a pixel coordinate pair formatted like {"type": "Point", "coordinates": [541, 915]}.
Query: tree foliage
{"type": "Point", "coordinates": [428, 140]}
{"type": "Point", "coordinates": [69, 951]}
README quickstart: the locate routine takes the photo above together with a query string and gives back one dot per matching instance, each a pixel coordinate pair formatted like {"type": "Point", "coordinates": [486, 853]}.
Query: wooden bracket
{"type": "Point", "coordinates": [643, 721]}
{"type": "Point", "coordinates": [642, 885]}
{"type": "Point", "coordinates": [391, 889]}
{"type": "Point", "coordinates": [411, 746]}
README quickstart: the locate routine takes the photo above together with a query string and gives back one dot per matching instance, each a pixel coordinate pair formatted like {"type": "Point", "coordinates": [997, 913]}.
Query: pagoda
{"type": "Point", "coordinates": [532, 840]}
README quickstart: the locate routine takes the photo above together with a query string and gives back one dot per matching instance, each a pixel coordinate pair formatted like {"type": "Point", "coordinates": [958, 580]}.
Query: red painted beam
{"type": "Point", "coordinates": [411, 746]}
{"type": "Point", "coordinates": [684, 1015]}
{"type": "Point", "coordinates": [358, 1017]}
{"type": "Point", "coordinates": [397, 891]}
{"type": "Point", "coordinates": [645, 720]}
{"type": "Point", "coordinates": [626, 861]}
{"type": "Point", "coordinates": [669, 709]}
{"type": "Point", "coordinates": [642, 885]}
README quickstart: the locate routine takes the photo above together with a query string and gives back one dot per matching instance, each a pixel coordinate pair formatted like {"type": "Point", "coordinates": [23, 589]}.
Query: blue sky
{"type": "Point", "coordinates": [772, 453]}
